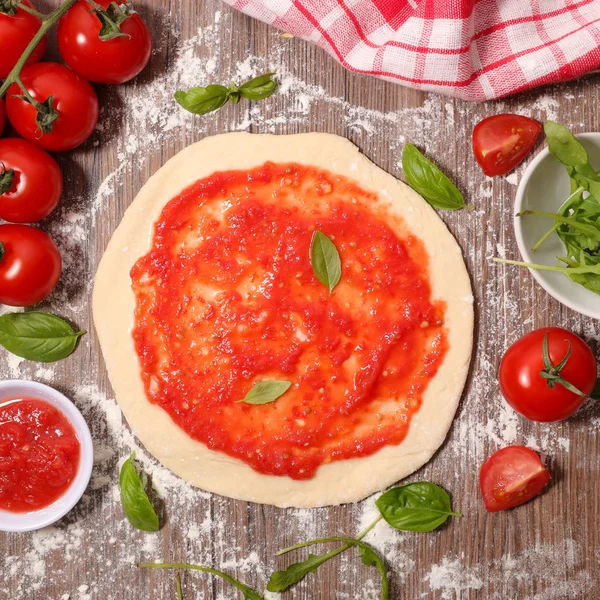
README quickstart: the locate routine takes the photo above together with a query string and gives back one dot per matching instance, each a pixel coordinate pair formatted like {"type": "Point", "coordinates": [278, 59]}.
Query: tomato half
{"type": "Point", "coordinates": [16, 31]}
{"type": "Point", "coordinates": [536, 397]}
{"type": "Point", "coordinates": [30, 267]}
{"type": "Point", "coordinates": [74, 101]}
{"type": "Point", "coordinates": [501, 142]}
{"type": "Point", "coordinates": [2, 116]}
{"type": "Point", "coordinates": [512, 476]}
{"type": "Point", "coordinates": [111, 61]}
{"type": "Point", "coordinates": [31, 182]}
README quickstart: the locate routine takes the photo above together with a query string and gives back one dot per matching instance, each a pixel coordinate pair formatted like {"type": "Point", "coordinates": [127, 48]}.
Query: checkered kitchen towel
{"type": "Point", "coordinates": [472, 49]}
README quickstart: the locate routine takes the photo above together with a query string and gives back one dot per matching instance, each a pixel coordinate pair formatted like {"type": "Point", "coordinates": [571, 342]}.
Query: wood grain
{"type": "Point", "coordinates": [547, 550]}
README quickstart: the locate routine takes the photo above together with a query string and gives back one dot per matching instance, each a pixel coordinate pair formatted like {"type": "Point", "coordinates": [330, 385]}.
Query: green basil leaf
{"type": "Point", "coordinates": [563, 145]}
{"type": "Point", "coordinates": [202, 100]}
{"type": "Point", "coordinates": [259, 88]}
{"type": "Point", "coordinates": [38, 336]}
{"type": "Point", "coordinates": [136, 504]}
{"type": "Point", "coordinates": [282, 580]}
{"type": "Point", "coordinates": [419, 506]}
{"type": "Point", "coordinates": [426, 179]}
{"type": "Point", "coordinates": [325, 260]}
{"type": "Point", "coordinates": [249, 593]}
{"type": "Point", "coordinates": [267, 391]}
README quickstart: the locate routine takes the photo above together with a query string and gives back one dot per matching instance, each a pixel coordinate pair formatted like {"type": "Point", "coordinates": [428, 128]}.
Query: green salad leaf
{"type": "Point", "coordinates": [136, 505]}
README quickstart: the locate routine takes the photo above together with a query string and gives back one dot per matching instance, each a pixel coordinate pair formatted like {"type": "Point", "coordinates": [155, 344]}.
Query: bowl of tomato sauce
{"type": "Point", "coordinates": [46, 455]}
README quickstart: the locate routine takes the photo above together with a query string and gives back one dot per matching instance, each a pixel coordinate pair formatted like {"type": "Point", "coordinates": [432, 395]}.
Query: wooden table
{"type": "Point", "coordinates": [547, 550]}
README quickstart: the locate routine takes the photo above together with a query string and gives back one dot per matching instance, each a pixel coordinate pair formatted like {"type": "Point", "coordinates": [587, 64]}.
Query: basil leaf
{"type": "Point", "coordinates": [325, 260]}
{"type": "Point", "coordinates": [563, 145]}
{"type": "Point", "coordinates": [282, 580]}
{"type": "Point", "coordinates": [202, 100]}
{"type": "Point", "coordinates": [419, 506]}
{"type": "Point", "coordinates": [426, 179]}
{"type": "Point", "coordinates": [249, 593]}
{"type": "Point", "coordinates": [38, 336]}
{"type": "Point", "coordinates": [259, 88]}
{"type": "Point", "coordinates": [267, 391]}
{"type": "Point", "coordinates": [136, 504]}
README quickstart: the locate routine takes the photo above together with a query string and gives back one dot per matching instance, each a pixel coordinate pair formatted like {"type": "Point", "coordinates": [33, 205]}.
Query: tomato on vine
{"type": "Point", "coordinates": [548, 374]}
{"type": "Point", "coordinates": [58, 109]}
{"type": "Point", "coordinates": [31, 182]}
{"type": "Point", "coordinates": [104, 41]}
{"type": "Point", "coordinates": [17, 29]}
{"type": "Point", "coordinates": [30, 265]}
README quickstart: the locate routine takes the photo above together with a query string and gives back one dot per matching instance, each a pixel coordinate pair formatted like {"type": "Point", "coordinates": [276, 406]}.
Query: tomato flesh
{"type": "Point", "coordinates": [39, 454]}
{"type": "Point", "coordinates": [510, 477]}
{"type": "Point", "coordinates": [111, 61]}
{"type": "Point", "coordinates": [528, 393]}
{"type": "Point", "coordinates": [37, 183]}
{"type": "Point", "coordinates": [30, 267]}
{"type": "Point", "coordinates": [501, 142]}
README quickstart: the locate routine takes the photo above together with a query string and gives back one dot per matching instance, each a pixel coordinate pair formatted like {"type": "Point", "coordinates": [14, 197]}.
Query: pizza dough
{"type": "Point", "coordinates": [336, 482]}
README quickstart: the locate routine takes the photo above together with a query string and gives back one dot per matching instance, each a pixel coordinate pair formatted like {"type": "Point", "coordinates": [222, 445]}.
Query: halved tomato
{"type": "Point", "coordinates": [501, 142]}
{"type": "Point", "coordinates": [512, 476]}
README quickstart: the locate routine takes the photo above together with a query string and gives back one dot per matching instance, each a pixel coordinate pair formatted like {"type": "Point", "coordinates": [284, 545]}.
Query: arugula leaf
{"type": "Point", "coordinates": [38, 336]}
{"type": "Point", "coordinates": [426, 179]}
{"type": "Point", "coordinates": [418, 506]}
{"type": "Point", "coordinates": [249, 593]}
{"type": "Point", "coordinates": [325, 260]}
{"type": "Point", "coordinates": [136, 504]}
{"type": "Point", "coordinates": [372, 559]}
{"type": "Point", "coordinates": [267, 391]}
{"type": "Point", "coordinates": [563, 145]}
{"type": "Point", "coordinates": [202, 100]}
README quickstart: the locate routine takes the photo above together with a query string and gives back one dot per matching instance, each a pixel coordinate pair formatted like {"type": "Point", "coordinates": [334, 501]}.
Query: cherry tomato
{"type": "Point", "coordinates": [501, 142]}
{"type": "Point", "coordinates": [32, 180]}
{"type": "Point", "coordinates": [539, 398]}
{"type": "Point", "coordinates": [512, 476]}
{"type": "Point", "coordinates": [111, 61]}
{"type": "Point", "coordinates": [74, 101]}
{"type": "Point", "coordinates": [30, 267]}
{"type": "Point", "coordinates": [2, 116]}
{"type": "Point", "coordinates": [16, 31]}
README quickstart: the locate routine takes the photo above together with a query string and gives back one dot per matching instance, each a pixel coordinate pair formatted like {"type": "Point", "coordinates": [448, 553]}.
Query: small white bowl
{"type": "Point", "coordinates": [13, 521]}
{"type": "Point", "coordinates": [545, 186]}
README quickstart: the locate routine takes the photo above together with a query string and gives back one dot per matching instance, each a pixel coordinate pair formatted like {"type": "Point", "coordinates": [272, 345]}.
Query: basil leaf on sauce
{"type": "Point", "coordinates": [136, 504]}
{"type": "Point", "coordinates": [419, 506]}
{"type": "Point", "coordinates": [325, 260]}
{"type": "Point", "coordinates": [426, 179]}
{"type": "Point", "coordinates": [267, 391]}
{"type": "Point", "coordinates": [249, 593]}
{"type": "Point", "coordinates": [38, 336]}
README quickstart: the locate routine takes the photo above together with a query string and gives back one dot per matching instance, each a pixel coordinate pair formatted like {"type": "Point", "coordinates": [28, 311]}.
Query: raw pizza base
{"type": "Point", "coordinates": [334, 483]}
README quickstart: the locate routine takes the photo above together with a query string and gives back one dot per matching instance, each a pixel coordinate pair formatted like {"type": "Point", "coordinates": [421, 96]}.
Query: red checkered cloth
{"type": "Point", "coordinates": [471, 49]}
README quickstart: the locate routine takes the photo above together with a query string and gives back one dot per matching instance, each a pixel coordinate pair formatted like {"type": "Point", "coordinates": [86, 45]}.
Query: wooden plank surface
{"type": "Point", "coordinates": [547, 550]}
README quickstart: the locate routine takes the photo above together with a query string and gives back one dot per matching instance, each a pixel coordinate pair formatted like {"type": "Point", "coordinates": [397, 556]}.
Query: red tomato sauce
{"type": "Point", "coordinates": [226, 297]}
{"type": "Point", "coordinates": [39, 454]}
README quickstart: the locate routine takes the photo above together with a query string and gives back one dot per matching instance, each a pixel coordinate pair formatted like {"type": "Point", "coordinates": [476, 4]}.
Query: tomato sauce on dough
{"type": "Point", "coordinates": [39, 454]}
{"type": "Point", "coordinates": [226, 297]}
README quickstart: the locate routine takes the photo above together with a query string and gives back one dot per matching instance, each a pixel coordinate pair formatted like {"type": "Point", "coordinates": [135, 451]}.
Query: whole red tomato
{"type": "Point", "coordinates": [114, 60]}
{"type": "Point", "coordinates": [511, 476]}
{"type": "Point", "coordinates": [540, 391]}
{"type": "Point", "coordinates": [63, 124]}
{"type": "Point", "coordinates": [2, 116]}
{"type": "Point", "coordinates": [31, 183]}
{"type": "Point", "coordinates": [16, 31]}
{"type": "Point", "coordinates": [501, 142]}
{"type": "Point", "coordinates": [30, 266]}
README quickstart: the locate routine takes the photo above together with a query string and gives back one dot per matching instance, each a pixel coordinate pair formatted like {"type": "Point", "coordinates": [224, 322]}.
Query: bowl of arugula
{"type": "Point", "coordinates": [557, 219]}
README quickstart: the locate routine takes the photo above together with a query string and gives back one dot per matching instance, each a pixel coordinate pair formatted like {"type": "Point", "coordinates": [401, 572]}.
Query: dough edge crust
{"type": "Point", "coordinates": [335, 483]}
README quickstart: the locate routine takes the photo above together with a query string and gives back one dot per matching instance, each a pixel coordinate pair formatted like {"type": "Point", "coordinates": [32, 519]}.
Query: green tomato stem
{"type": "Point", "coordinates": [31, 11]}
{"type": "Point", "coordinates": [48, 22]}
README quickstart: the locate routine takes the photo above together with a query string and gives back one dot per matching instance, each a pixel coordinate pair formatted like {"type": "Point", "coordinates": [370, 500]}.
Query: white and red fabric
{"type": "Point", "coordinates": [471, 49]}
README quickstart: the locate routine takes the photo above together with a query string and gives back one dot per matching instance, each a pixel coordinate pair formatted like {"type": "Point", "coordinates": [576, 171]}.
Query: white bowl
{"type": "Point", "coordinates": [13, 521]}
{"type": "Point", "coordinates": [545, 186]}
